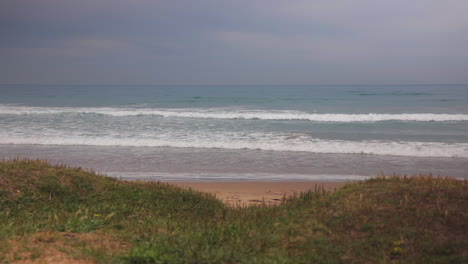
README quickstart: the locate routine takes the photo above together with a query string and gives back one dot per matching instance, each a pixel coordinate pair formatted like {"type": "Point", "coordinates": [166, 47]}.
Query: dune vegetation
{"type": "Point", "coordinates": [58, 214]}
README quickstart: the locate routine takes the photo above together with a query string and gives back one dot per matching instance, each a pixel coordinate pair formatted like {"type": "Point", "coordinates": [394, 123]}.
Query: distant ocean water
{"type": "Point", "coordinates": [248, 132]}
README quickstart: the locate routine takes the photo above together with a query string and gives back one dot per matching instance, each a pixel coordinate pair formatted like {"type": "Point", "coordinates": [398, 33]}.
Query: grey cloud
{"type": "Point", "coordinates": [215, 41]}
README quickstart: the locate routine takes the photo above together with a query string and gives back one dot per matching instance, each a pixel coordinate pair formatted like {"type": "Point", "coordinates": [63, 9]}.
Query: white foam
{"type": "Point", "coordinates": [216, 176]}
{"type": "Point", "coordinates": [222, 113]}
{"type": "Point", "coordinates": [401, 148]}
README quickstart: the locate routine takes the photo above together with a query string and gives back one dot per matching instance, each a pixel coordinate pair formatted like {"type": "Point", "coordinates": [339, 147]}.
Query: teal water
{"type": "Point", "coordinates": [240, 132]}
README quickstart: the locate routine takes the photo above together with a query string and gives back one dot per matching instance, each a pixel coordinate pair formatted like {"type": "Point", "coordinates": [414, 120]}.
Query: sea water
{"type": "Point", "coordinates": [237, 133]}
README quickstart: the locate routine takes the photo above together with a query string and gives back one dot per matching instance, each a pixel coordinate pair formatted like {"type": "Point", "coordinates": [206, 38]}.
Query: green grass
{"type": "Point", "coordinates": [82, 215]}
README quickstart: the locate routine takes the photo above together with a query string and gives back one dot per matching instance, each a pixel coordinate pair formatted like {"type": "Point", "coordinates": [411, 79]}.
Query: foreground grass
{"type": "Point", "coordinates": [55, 213]}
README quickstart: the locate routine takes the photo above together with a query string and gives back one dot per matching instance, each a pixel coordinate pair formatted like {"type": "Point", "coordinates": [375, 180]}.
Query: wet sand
{"type": "Point", "coordinates": [248, 193]}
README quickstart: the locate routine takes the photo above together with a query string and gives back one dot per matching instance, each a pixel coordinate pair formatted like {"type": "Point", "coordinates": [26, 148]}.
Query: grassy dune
{"type": "Point", "coordinates": [57, 214]}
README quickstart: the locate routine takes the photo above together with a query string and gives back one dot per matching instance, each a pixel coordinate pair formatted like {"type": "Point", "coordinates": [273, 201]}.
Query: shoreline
{"type": "Point", "coordinates": [251, 193]}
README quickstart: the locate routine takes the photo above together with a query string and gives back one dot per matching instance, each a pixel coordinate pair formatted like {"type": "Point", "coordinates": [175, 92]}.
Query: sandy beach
{"type": "Point", "coordinates": [248, 193]}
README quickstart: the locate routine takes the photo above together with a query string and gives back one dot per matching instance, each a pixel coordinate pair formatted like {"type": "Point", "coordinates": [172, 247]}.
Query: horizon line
{"type": "Point", "coordinates": [243, 84]}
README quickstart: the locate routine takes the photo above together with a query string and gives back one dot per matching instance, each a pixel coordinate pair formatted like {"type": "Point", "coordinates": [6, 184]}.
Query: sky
{"type": "Point", "coordinates": [234, 41]}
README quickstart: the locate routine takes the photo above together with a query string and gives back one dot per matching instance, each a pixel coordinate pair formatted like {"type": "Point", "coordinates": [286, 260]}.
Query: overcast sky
{"type": "Point", "coordinates": [234, 42]}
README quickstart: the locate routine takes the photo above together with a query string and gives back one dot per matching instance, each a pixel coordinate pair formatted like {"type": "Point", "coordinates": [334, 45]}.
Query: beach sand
{"type": "Point", "coordinates": [249, 193]}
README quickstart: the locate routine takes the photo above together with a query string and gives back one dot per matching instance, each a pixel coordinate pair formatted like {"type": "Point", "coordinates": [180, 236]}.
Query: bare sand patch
{"type": "Point", "coordinates": [249, 193]}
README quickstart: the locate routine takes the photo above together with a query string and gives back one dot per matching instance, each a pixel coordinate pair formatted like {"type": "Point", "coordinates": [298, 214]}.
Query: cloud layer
{"type": "Point", "coordinates": [233, 42]}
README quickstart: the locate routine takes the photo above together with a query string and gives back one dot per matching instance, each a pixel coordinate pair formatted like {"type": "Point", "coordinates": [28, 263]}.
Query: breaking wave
{"type": "Point", "coordinates": [222, 113]}
{"type": "Point", "coordinates": [394, 148]}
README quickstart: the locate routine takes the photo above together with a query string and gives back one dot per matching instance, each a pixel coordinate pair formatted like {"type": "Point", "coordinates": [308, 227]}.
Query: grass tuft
{"type": "Point", "coordinates": [76, 214]}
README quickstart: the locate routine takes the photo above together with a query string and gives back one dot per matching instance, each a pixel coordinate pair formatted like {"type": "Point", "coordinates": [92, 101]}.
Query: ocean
{"type": "Point", "coordinates": [240, 132]}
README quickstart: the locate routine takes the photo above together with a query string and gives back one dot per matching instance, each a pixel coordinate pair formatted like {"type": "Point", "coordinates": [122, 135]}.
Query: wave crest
{"type": "Point", "coordinates": [414, 149]}
{"type": "Point", "coordinates": [218, 113]}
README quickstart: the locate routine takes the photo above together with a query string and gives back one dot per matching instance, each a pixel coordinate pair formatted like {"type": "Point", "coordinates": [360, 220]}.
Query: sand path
{"type": "Point", "coordinates": [248, 193]}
